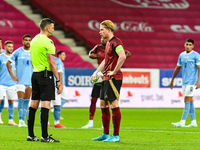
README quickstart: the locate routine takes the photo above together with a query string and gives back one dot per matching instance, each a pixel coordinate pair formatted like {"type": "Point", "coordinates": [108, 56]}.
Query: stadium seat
{"type": "Point", "coordinates": [157, 33]}
{"type": "Point", "coordinates": [14, 24]}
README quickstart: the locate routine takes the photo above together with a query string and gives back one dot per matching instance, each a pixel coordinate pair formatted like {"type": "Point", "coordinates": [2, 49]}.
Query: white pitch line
{"type": "Point", "coordinates": [156, 130]}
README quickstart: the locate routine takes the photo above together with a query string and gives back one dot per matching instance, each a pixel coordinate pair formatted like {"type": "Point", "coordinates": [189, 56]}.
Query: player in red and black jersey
{"type": "Point", "coordinates": [112, 81]}
{"type": "Point", "coordinates": [98, 52]}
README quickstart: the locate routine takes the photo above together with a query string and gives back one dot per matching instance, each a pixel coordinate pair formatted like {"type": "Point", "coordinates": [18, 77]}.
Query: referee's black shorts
{"type": "Point", "coordinates": [96, 90]}
{"type": "Point", "coordinates": [43, 88]}
{"type": "Point", "coordinates": [107, 92]}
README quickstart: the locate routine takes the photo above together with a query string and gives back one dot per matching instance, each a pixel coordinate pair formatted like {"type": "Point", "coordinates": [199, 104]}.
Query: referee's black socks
{"type": "Point", "coordinates": [31, 120]}
{"type": "Point", "coordinates": [44, 116]}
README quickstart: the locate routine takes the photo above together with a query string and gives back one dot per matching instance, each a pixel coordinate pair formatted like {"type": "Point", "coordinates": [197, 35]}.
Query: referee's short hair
{"type": "Point", "coordinates": [45, 22]}
{"type": "Point", "coordinates": [190, 40]}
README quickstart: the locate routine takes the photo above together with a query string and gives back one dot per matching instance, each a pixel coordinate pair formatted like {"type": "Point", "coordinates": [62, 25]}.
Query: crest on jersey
{"type": "Point", "coordinates": [108, 48]}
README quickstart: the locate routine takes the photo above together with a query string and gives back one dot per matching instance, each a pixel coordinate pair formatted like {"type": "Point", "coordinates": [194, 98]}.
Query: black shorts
{"type": "Point", "coordinates": [43, 88]}
{"type": "Point", "coordinates": [96, 90]}
{"type": "Point", "coordinates": [106, 92]}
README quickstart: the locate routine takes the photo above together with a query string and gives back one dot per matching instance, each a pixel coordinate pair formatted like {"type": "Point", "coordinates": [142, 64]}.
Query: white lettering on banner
{"type": "Point", "coordinates": [185, 28]}
{"type": "Point", "coordinates": [135, 26]}
{"type": "Point", "coordinates": [136, 80]}
{"type": "Point", "coordinates": [129, 26]}
{"type": "Point", "coordinates": [156, 4]}
{"type": "Point", "coordinates": [166, 81]}
{"type": "Point", "coordinates": [6, 23]}
{"type": "Point", "coordinates": [152, 97]}
{"type": "Point", "coordinates": [79, 80]}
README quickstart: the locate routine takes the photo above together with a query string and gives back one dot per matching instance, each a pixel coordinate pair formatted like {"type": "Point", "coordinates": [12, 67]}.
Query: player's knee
{"type": "Point", "coordinates": [34, 104]}
{"type": "Point", "coordinates": [188, 99]}
{"type": "Point", "coordinates": [10, 101]}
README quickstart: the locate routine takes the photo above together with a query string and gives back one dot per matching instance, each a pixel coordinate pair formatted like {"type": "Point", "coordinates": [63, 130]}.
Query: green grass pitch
{"type": "Point", "coordinates": [148, 129]}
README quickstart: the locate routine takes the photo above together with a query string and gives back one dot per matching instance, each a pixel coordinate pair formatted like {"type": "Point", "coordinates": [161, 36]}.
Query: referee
{"type": "Point", "coordinates": [43, 88]}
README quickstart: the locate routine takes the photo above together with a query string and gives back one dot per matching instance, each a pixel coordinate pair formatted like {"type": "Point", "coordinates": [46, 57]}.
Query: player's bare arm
{"type": "Point", "coordinates": [198, 79]}
{"type": "Point", "coordinates": [52, 65]}
{"type": "Point", "coordinates": [176, 71]}
{"type": "Point", "coordinates": [121, 59]}
{"type": "Point", "coordinates": [127, 53]}
{"type": "Point", "coordinates": [8, 64]}
{"type": "Point", "coordinates": [61, 85]}
{"type": "Point", "coordinates": [93, 55]}
{"type": "Point", "coordinates": [100, 68]}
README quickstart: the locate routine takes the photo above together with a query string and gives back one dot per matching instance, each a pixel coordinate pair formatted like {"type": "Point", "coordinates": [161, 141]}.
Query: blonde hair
{"type": "Point", "coordinates": [8, 42]}
{"type": "Point", "coordinates": [108, 24]}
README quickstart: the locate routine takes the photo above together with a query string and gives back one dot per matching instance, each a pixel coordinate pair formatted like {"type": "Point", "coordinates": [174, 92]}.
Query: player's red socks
{"type": "Point", "coordinates": [105, 119]}
{"type": "Point", "coordinates": [93, 107]}
{"type": "Point", "coordinates": [116, 117]}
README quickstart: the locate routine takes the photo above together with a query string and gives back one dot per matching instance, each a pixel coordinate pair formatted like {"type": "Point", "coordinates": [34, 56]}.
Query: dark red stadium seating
{"type": "Point", "coordinates": [14, 24]}
{"type": "Point", "coordinates": [148, 30]}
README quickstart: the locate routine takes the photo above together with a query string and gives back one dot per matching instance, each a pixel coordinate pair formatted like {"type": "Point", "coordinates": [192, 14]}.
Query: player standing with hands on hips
{"type": "Point", "coordinates": [43, 89]}
{"type": "Point", "coordinates": [112, 81]}
{"type": "Point", "coordinates": [190, 63]}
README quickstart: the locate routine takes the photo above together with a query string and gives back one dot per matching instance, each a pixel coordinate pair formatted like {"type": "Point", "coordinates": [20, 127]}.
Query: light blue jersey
{"type": "Point", "coordinates": [5, 78]}
{"type": "Point", "coordinates": [189, 62]}
{"type": "Point", "coordinates": [23, 65]}
{"type": "Point", "coordinates": [58, 66]}
{"type": "Point", "coordinates": [3, 50]}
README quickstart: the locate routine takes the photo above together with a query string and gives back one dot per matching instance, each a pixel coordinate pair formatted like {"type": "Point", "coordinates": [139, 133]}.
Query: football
{"type": "Point", "coordinates": [97, 77]}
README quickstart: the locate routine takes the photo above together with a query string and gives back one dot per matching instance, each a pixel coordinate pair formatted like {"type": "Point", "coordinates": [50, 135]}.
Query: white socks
{"type": "Point", "coordinates": [183, 121]}
{"type": "Point", "coordinates": [56, 122]}
{"type": "Point", "coordinates": [194, 122]}
{"type": "Point", "coordinates": [91, 122]}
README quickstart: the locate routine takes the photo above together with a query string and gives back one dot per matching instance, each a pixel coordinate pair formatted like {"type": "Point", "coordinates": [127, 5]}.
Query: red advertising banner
{"type": "Point", "coordinates": [136, 79]}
